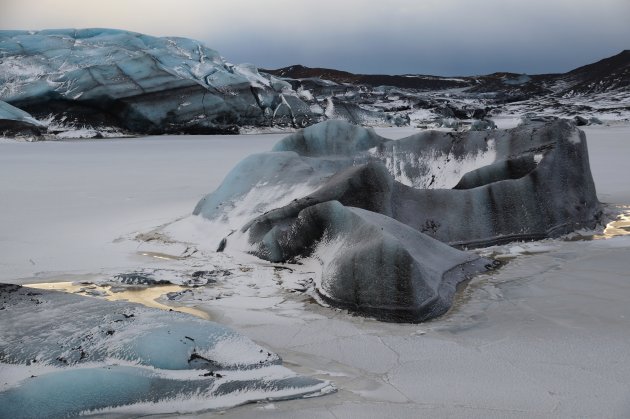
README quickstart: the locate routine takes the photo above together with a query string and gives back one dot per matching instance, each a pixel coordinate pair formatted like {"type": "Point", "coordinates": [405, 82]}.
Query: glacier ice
{"type": "Point", "coordinates": [107, 80]}
{"type": "Point", "coordinates": [114, 80]}
{"type": "Point", "coordinates": [79, 354]}
{"type": "Point", "coordinates": [371, 263]}
{"type": "Point", "coordinates": [495, 177]}
{"type": "Point", "coordinates": [464, 189]}
{"type": "Point", "coordinates": [333, 138]}
{"type": "Point", "coordinates": [144, 84]}
{"type": "Point", "coordinates": [14, 121]}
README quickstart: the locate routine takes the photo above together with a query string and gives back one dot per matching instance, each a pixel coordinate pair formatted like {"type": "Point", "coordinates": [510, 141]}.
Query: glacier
{"type": "Point", "coordinates": [14, 121]}
{"type": "Point", "coordinates": [107, 79]}
{"type": "Point", "coordinates": [334, 182]}
{"type": "Point", "coordinates": [66, 355]}
{"type": "Point", "coordinates": [96, 82]}
{"type": "Point", "coordinates": [143, 84]}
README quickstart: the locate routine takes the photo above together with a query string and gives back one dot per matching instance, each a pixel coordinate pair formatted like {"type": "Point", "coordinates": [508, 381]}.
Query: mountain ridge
{"type": "Point", "coordinates": [610, 68]}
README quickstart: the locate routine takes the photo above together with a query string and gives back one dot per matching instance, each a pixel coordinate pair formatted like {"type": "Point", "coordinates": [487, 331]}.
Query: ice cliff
{"type": "Point", "coordinates": [393, 209]}
{"type": "Point", "coordinates": [16, 121]}
{"type": "Point", "coordinates": [139, 83]}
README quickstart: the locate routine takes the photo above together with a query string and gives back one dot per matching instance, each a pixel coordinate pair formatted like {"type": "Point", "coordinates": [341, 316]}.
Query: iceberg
{"type": "Point", "coordinates": [372, 264]}
{"type": "Point", "coordinates": [338, 183]}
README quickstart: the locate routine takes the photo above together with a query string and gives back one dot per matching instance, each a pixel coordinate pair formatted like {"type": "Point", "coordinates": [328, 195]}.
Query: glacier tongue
{"type": "Point", "coordinates": [140, 83]}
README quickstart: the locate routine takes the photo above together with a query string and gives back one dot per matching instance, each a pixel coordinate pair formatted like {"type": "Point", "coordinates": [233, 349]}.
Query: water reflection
{"type": "Point", "coordinates": [147, 296]}
{"type": "Point", "coordinates": [162, 256]}
{"type": "Point", "coordinates": [618, 227]}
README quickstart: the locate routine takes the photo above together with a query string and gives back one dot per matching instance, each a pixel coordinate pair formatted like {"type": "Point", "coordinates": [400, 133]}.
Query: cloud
{"type": "Point", "coordinates": [397, 36]}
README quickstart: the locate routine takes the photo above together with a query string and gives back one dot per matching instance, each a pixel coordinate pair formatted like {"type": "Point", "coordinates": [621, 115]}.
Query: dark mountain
{"type": "Point", "coordinates": [611, 73]}
{"type": "Point", "coordinates": [406, 81]}
{"type": "Point", "coordinates": [608, 74]}
{"type": "Point", "coordinates": [512, 86]}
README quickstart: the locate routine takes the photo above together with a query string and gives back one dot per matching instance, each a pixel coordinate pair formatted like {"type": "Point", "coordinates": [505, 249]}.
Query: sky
{"type": "Point", "coordinates": [438, 37]}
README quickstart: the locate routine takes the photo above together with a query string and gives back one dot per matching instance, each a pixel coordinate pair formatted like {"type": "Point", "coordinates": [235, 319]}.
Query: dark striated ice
{"type": "Point", "coordinates": [469, 189]}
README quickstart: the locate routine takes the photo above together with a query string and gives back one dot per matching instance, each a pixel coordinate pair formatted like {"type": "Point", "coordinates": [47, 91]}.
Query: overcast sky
{"type": "Point", "coordinates": [441, 37]}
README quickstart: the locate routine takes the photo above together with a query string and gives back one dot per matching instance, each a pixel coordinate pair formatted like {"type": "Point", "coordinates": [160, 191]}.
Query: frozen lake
{"type": "Point", "coordinates": [64, 202]}
{"type": "Point", "coordinates": [545, 336]}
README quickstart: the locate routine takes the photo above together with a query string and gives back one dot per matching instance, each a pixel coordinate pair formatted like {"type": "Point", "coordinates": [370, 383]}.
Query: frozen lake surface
{"type": "Point", "coordinates": [545, 336]}
{"type": "Point", "coordinates": [64, 202]}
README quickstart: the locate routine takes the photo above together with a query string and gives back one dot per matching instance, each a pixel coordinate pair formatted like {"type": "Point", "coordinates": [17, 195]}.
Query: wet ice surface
{"type": "Point", "coordinates": [63, 355]}
{"type": "Point", "coordinates": [610, 165]}
{"type": "Point", "coordinates": [545, 336]}
{"type": "Point", "coordinates": [148, 296]}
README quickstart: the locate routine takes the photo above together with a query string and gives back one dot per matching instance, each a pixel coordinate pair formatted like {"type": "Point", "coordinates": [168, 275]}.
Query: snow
{"type": "Point", "coordinates": [506, 122]}
{"type": "Point", "coordinates": [52, 193]}
{"type": "Point", "coordinates": [422, 116]}
{"type": "Point", "coordinates": [330, 108]}
{"type": "Point", "coordinates": [610, 165]}
{"type": "Point", "coordinates": [438, 170]}
{"type": "Point", "coordinates": [305, 94]}
{"type": "Point", "coordinates": [544, 336]}
{"type": "Point", "coordinates": [396, 133]}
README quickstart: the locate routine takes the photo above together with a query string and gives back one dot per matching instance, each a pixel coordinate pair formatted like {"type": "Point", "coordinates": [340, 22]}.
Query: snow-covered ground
{"type": "Point", "coordinates": [608, 154]}
{"type": "Point", "coordinates": [545, 336]}
{"type": "Point", "coordinates": [63, 203]}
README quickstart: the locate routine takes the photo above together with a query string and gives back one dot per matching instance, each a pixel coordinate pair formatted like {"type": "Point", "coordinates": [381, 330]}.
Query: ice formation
{"type": "Point", "coordinates": [462, 189]}
{"type": "Point", "coordinates": [105, 82]}
{"type": "Point", "coordinates": [63, 355]}
{"type": "Point", "coordinates": [14, 121]}
{"type": "Point", "coordinates": [371, 263]}
{"type": "Point", "coordinates": [144, 84]}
